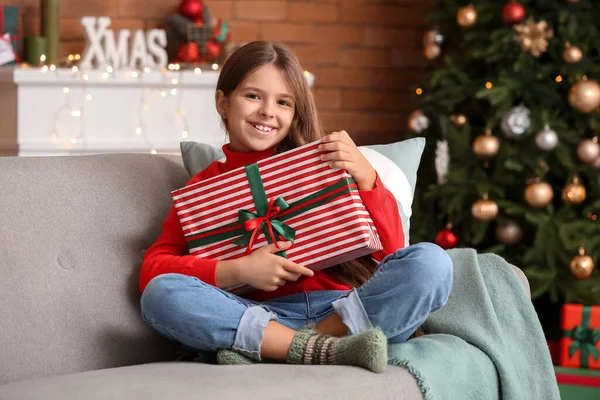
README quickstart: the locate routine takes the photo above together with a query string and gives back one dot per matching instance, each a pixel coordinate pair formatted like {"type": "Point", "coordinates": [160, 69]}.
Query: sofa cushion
{"type": "Point", "coordinates": [72, 229]}
{"type": "Point", "coordinates": [396, 163]}
{"type": "Point", "coordinates": [183, 381]}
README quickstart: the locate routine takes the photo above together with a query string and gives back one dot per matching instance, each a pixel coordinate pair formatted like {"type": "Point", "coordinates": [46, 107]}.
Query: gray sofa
{"type": "Point", "coordinates": [72, 230]}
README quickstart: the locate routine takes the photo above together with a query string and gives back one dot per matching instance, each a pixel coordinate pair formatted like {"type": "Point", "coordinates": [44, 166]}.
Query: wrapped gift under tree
{"type": "Point", "coordinates": [580, 343]}
{"type": "Point", "coordinates": [293, 196]}
{"type": "Point", "coordinates": [9, 35]}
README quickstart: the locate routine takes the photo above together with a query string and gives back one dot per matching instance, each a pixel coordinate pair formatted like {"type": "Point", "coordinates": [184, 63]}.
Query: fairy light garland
{"type": "Point", "coordinates": [171, 83]}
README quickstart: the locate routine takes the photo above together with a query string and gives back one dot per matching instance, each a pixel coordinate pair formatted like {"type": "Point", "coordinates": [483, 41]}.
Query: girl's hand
{"type": "Point", "coordinates": [266, 271]}
{"type": "Point", "coordinates": [343, 153]}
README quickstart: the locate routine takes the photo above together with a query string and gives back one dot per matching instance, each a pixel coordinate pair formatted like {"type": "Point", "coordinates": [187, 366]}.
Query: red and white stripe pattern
{"type": "Point", "coordinates": [327, 235]}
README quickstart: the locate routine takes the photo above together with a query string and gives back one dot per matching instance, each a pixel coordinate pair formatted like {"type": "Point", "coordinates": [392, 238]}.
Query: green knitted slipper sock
{"type": "Point", "coordinates": [367, 350]}
{"type": "Point", "coordinates": [226, 356]}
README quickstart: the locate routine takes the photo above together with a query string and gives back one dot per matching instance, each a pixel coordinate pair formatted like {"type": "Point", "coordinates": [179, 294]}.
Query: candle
{"type": "Point", "coordinates": [35, 46]}
{"type": "Point", "coordinates": [50, 14]}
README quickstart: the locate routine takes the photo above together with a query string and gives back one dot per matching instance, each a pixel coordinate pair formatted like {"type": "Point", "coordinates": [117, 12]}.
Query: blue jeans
{"type": "Point", "coordinates": [406, 287]}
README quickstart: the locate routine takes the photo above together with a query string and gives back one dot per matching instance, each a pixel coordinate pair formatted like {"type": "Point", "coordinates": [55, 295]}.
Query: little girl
{"type": "Point", "coordinates": [346, 314]}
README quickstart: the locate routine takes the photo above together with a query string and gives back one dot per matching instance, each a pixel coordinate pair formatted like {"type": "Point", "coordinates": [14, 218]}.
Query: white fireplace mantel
{"type": "Point", "coordinates": [128, 112]}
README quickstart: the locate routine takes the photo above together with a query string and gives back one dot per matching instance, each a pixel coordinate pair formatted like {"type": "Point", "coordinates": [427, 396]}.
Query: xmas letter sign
{"type": "Point", "coordinates": [147, 50]}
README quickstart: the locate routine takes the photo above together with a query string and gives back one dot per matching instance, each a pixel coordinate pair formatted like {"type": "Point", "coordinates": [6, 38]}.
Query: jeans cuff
{"type": "Point", "coordinates": [351, 310]}
{"type": "Point", "coordinates": [250, 331]}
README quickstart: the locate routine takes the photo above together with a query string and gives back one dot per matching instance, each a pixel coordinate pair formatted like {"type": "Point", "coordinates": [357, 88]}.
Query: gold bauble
{"type": "Point", "coordinates": [432, 51]}
{"type": "Point", "coordinates": [584, 96]}
{"type": "Point", "coordinates": [572, 54]}
{"type": "Point", "coordinates": [588, 150]}
{"type": "Point", "coordinates": [458, 120]}
{"type": "Point", "coordinates": [538, 194]}
{"type": "Point", "coordinates": [574, 193]}
{"type": "Point", "coordinates": [581, 265]}
{"type": "Point", "coordinates": [509, 232]}
{"type": "Point", "coordinates": [466, 16]}
{"type": "Point", "coordinates": [484, 209]}
{"type": "Point", "coordinates": [486, 146]}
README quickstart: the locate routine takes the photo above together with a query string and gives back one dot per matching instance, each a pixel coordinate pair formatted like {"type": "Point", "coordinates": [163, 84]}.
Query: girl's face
{"type": "Point", "coordinates": [259, 111]}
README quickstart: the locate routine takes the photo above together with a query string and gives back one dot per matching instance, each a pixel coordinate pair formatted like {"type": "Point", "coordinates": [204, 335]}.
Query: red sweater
{"type": "Point", "coordinates": [170, 252]}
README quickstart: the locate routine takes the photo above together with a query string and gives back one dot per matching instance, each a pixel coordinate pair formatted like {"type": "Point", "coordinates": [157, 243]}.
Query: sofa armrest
{"type": "Point", "coordinates": [523, 279]}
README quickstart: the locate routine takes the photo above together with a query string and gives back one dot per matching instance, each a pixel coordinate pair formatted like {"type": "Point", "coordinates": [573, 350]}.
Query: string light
{"type": "Point", "coordinates": [488, 85]}
{"type": "Point", "coordinates": [42, 59]}
{"type": "Point", "coordinates": [171, 82]}
{"type": "Point", "coordinates": [419, 91]}
{"type": "Point", "coordinates": [558, 78]}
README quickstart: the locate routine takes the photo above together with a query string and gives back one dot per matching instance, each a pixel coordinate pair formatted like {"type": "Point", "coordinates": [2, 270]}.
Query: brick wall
{"type": "Point", "coordinates": [366, 54]}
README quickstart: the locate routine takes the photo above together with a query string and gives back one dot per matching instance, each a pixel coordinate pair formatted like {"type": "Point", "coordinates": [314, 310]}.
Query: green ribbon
{"type": "Point", "coordinates": [263, 219]}
{"type": "Point", "coordinates": [584, 339]}
{"type": "Point", "coordinates": [266, 213]}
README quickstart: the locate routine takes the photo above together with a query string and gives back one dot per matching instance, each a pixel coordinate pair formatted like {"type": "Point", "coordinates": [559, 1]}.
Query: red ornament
{"type": "Point", "coordinates": [513, 13]}
{"type": "Point", "coordinates": [193, 9]}
{"type": "Point", "coordinates": [188, 52]}
{"type": "Point", "coordinates": [446, 238]}
{"type": "Point", "coordinates": [212, 50]}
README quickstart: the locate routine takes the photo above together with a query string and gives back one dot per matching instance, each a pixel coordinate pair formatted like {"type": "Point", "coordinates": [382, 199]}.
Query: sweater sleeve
{"type": "Point", "coordinates": [383, 208]}
{"type": "Point", "coordinates": [170, 255]}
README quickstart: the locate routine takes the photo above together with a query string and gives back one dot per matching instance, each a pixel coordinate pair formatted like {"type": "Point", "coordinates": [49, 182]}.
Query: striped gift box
{"type": "Point", "coordinates": [293, 195]}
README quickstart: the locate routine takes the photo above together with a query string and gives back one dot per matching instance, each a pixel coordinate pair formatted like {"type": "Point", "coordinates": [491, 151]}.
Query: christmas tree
{"type": "Point", "coordinates": [510, 110]}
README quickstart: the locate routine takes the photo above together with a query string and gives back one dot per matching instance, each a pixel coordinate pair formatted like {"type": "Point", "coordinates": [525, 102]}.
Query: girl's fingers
{"type": "Point", "coordinates": [341, 165]}
{"type": "Point", "coordinates": [335, 156]}
{"type": "Point", "coordinates": [290, 276]}
{"type": "Point", "coordinates": [333, 146]}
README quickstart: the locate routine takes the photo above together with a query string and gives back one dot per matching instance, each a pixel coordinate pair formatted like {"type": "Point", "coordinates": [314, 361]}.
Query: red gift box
{"type": "Point", "coordinates": [580, 344]}
{"type": "Point", "coordinates": [291, 196]}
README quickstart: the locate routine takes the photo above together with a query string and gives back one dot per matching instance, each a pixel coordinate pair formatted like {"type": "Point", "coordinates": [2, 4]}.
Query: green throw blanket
{"type": "Point", "coordinates": [485, 343]}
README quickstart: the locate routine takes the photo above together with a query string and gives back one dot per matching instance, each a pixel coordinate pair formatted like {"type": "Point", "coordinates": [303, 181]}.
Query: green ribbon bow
{"type": "Point", "coordinates": [584, 339]}
{"type": "Point", "coordinates": [264, 217]}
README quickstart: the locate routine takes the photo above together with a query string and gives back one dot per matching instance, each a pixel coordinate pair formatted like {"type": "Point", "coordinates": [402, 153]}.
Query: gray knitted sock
{"type": "Point", "coordinates": [225, 356]}
{"type": "Point", "coordinates": [367, 350]}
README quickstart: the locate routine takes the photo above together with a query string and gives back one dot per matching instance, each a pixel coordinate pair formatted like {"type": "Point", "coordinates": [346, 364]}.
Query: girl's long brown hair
{"type": "Point", "coordinates": [306, 126]}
